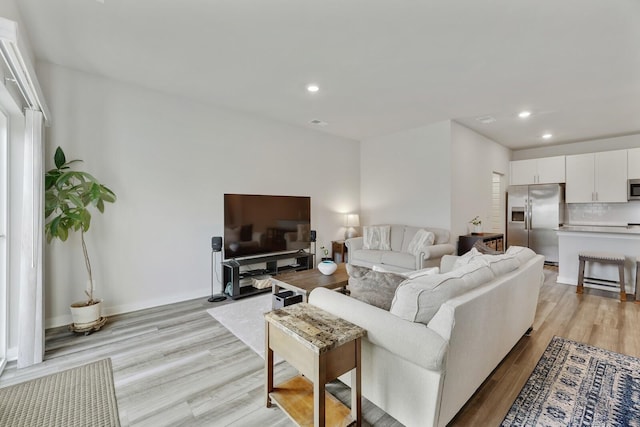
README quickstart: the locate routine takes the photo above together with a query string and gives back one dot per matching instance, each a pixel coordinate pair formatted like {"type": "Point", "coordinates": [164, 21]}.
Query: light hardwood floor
{"type": "Point", "coordinates": [175, 365]}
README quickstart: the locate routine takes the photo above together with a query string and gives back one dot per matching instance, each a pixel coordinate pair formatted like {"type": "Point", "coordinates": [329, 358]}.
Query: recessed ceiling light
{"type": "Point", "coordinates": [524, 114]}
{"type": "Point", "coordinates": [547, 136]}
{"type": "Point", "coordinates": [312, 88]}
{"type": "Point", "coordinates": [318, 122]}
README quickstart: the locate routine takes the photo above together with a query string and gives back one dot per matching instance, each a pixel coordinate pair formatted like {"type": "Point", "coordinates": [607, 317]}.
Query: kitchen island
{"type": "Point", "coordinates": [623, 240]}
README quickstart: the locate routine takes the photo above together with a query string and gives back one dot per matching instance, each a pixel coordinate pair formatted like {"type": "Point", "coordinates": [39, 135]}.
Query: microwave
{"type": "Point", "coordinates": [633, 189]}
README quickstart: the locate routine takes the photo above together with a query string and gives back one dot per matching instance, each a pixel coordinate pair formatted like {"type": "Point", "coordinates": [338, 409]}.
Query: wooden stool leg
{"type": "Point", "coordinates": [623, 291]}
{"type": "Point", "coordinates": [580, 287]}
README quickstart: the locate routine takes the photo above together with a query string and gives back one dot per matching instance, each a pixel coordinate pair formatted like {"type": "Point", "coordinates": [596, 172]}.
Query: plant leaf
{"type": "Point", "coordinates": [59, 158]}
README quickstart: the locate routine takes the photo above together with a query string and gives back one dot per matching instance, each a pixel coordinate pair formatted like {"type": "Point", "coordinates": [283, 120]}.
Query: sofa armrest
{"type": "Point", "coordinates": [354, 244]}
{"type": "Point", "coordinates": [434, 252]}
{"type": "Point", "coordinates": [414, 342]}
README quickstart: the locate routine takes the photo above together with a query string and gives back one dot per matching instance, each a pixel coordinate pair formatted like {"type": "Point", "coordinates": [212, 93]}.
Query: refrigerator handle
{"type": "Point", "coordinates": [526, 214]}
{"type": "Point", "coordinates": [530, 214]}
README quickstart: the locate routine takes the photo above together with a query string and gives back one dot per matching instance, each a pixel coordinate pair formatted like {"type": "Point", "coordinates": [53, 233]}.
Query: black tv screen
{"type": "Point", "coordinates": [259, 224]}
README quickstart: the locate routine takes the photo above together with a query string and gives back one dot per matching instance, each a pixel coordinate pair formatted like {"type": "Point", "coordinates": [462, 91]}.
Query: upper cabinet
{"type": "Point", "coordinates": [547, 170]}
{"type": "Point", "coordinates": [633, 162]}
{"type": "Point", "coordinates": [597, 177]}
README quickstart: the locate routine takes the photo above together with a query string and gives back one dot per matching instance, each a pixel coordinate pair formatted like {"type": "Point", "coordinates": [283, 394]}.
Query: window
{"type": "Point", "coordinates": [497, 203]}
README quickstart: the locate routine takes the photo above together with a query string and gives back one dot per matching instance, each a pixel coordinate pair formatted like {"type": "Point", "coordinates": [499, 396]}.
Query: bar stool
{"type": "Point", "coordinates": [638, 280]}
{"type": "Point", "coordinates": [603, 258]}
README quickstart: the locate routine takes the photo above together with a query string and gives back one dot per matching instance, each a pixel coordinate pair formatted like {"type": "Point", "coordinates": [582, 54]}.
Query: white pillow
{"type": "Point", "coordinates": [418, 300]}
{"type": "Point", "coordinates": [465, 259]}
{"type": "Point", "coordinates": [420, 241]}
{"type": "Point", "coordinates": [376, 237]}
{"type": "Point", "coordinates": [521, 253]}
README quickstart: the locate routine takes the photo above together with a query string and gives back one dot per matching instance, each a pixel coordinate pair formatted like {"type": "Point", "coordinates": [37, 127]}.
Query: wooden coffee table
{"type": "Point", "coordinates": [303, 282]}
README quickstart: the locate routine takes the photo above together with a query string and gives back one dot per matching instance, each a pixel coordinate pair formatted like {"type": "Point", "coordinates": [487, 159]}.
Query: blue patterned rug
{"type": "Point", "coordinates": [576, 384]}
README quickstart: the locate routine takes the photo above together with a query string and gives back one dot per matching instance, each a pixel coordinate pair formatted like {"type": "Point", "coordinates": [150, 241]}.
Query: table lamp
{"type": "Point", "coordinates": [350, 221]}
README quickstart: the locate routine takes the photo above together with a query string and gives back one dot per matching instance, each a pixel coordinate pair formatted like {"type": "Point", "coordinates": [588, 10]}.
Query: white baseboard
{"type": "Point", "coordinates": [54, 322]}
{"type": "Point", "coordinates": [567, 280]}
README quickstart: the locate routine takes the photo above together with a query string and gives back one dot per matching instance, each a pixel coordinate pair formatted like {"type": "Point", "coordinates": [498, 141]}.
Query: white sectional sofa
{"type": "Point", "coordinates": [420, 369]}
{"type": "Point", "coordinates": [398, 257]}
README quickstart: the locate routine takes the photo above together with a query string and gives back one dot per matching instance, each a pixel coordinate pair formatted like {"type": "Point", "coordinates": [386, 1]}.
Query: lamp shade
{"type": "Point", "coordinates": [352, 220]}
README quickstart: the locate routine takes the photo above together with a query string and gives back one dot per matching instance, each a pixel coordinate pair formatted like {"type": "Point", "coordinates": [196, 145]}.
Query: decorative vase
{"type": "Point", "coordinates": [327, 267]}
{"type": "Point", "coordinates": [84, 315]}
{"type": "Point", "coordinates": [477, 228]}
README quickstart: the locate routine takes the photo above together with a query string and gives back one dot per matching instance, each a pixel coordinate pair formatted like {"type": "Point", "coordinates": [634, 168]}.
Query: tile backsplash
{"type": "Point", "coordinates": [602, 213]}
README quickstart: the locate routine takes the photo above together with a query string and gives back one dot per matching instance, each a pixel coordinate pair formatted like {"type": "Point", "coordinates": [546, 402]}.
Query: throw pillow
{"type": "Point", "coordinates": [418, 300]}
{"type": "Point", "coordinates": [484, 249]}
{"type": "Point", "coordinates": [376, 237]}
{"type": "Point", "coordinates": [521, 253]}
{"type": "Point", "coordinates": [373, 287]}
{"type": "Point", "coordinates": [420, 241]}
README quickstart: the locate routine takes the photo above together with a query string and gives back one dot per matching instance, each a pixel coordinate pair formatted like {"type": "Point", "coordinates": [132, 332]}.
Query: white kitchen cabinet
{"type": "Point", "coordinates": [633, 162]}
{"type": "Point", "coordinates": [597, 177]}
{"type": "Point", "coordinates": [546, 170]}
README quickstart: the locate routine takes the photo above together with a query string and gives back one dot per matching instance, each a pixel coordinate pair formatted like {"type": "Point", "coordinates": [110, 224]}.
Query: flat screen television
{"type": "Point", "coordinates": [260, 224]}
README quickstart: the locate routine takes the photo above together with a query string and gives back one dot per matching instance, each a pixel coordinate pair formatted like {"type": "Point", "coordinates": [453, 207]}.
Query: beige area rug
{"type": "Point", "coordinates": [245, 320]}
{"type": "Point", "coordinates": [77, 397]}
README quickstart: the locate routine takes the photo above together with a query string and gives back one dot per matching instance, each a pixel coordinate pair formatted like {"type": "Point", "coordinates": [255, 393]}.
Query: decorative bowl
{"type": "Point", "coordinates": [327, 267]}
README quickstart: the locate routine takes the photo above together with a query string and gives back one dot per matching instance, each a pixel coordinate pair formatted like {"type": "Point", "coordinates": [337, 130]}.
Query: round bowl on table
{"type": "Point", "coordinates": [327, 267]}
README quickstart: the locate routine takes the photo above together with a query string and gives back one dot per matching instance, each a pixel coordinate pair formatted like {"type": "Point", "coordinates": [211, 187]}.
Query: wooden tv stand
{"type": "Point", "coordinates": [233, 271]}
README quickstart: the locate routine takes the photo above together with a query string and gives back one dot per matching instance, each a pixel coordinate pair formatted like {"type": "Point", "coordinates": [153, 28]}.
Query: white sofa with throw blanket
{"type": "Point", "coordinates": [444, 333]}
{"type": "Point", "coordinates": [399, 247]}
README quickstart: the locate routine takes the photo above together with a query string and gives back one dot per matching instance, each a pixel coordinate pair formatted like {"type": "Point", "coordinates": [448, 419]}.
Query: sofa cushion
{"type": "Point", "coordinates": [420, 241]}
{"type": "Point", "coordinates": [397, 236]}
{"type": "Point", "coordinates": [373, 287]}
{"type": "Point", "coordinates": [499, 264]}
{"type": "Point", "coordinates": [399, 259]}
{"type": "Point", "coordinates": [367, 255]}
{"type": "Point", "coordinates": [376, 237]}
{"type": "Point", "coordinates": [418, 300]}
{"type": "Point", "coordinates": [521, 253]}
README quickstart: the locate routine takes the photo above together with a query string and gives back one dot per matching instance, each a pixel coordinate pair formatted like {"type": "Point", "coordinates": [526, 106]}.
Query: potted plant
{"type": "Point", "coordinates": [69, 195]}
{"type": "Point", "coordinates": [325, 254]}
{"type": "Point", "coordinates": [477, 224]}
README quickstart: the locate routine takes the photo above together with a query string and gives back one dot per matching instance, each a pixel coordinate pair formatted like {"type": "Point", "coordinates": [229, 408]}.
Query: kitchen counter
{"type": "Point", "coordinates": [618, 229]}
{"type": "Point", "coordinates": [620, 239]}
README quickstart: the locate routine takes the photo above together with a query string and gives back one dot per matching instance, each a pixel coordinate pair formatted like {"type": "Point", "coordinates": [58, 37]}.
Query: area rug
{"type": "Point", "coordinates": [575, 384]}
{"type": "Point", "coordinates": [245, 320]}
{"type": "Point", "coordinates": [82, 397]}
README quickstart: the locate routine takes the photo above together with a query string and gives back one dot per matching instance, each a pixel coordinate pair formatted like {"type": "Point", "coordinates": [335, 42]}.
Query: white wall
{"type": "Point", "coordinates": [592, 146]}
{"type": "Point", "coordinates": [474, 159]}
{"type": "Point", "coordinates": [406, 177]}
{"type": "Point", "coordinates": [170, 160]}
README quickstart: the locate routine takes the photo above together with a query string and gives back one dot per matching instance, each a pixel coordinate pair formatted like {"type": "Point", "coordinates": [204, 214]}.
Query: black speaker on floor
{"type": "Point", "coordinates": [312, 235]}
{"type": "Point", "coordinates": [216, 243]}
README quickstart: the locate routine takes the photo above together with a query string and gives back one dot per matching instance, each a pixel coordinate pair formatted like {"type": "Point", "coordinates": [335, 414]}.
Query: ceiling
{"type": "Point", "coordinates": [381, 65]}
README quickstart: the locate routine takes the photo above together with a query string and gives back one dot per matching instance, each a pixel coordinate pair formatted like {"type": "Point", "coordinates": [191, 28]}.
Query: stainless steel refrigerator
{"type": "Point", "coordinates": [534, 212]}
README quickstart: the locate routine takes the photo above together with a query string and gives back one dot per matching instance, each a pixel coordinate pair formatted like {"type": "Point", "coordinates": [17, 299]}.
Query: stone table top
{"type": "Point", "coordinates": [313, 327]}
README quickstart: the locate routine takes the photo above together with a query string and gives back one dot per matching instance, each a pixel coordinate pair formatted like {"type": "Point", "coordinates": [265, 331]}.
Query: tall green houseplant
{"type": "Point", "coordinates": [69, 195]}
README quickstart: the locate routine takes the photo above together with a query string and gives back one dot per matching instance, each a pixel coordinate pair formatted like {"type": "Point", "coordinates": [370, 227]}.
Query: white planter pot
{"type": "Point", "coordinates": [327, 267]}
{"type": "Point", "coordinates": [85, 315]}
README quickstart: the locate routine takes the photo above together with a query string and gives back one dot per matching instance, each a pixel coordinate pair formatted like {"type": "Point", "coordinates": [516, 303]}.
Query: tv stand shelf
{"type": "Point", "coordinates": [232, 273]}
